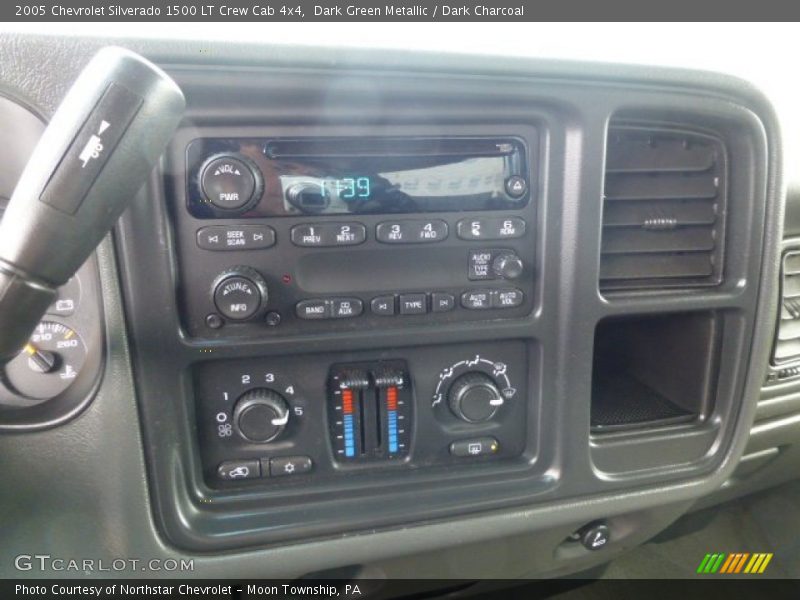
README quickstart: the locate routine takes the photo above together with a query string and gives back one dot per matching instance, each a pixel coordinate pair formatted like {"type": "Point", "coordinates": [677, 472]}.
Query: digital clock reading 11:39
{"type": "Point", "coordinates": [346, 188]}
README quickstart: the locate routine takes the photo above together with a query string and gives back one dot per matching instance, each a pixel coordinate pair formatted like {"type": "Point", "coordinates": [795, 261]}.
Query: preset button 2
{"type": "Point", "coordinates": [328, 234]}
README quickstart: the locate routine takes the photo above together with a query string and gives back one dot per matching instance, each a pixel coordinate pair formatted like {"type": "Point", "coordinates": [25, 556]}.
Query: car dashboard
{"type": "Point", "coordinates": [382, 313]}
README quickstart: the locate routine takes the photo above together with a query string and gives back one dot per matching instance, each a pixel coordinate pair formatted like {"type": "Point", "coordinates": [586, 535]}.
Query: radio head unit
{"type": "Point", "coordinates": [351, 176]}
{"type": "Point", "coordinates": [282, 234]}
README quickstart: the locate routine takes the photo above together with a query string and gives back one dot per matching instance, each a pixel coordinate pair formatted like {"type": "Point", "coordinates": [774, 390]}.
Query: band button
{"type": "Point", "coordinates": [313, 309]}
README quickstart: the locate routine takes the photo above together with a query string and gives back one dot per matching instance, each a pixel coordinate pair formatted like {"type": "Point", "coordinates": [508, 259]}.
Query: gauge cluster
{"type": "Point", "coordinates": [54, 376]}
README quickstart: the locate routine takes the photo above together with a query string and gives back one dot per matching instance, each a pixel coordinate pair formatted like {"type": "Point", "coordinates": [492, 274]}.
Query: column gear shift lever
{"type": "Point", "coordinates": [95, 154]}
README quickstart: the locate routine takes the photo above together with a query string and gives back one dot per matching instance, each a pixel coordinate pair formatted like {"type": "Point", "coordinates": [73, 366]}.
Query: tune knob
{"type": "Point", "coordinates": [475, 397]}
{"type": "Point", "coordinates": [507, 266]}
{"type": "Point", "coordinates": [239, 293]}
{"type": "Point", "coordinates": [260, 415]}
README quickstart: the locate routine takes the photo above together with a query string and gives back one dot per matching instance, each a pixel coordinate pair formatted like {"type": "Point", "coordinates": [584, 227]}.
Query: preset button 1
{"type": "Point", "coordinates": [328, 234]}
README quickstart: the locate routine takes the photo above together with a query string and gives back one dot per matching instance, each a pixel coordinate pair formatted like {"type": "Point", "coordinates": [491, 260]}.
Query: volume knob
{"type": "Point", "coordinates": [230, 182]}
{"type": "Point", "coordinates": [260, 415]}
{"type": "Point", "coordinates": [474, 397]}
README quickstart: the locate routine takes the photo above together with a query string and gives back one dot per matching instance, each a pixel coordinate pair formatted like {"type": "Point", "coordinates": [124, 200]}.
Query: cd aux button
{"type": "Point", "coordinates": [343, 308]}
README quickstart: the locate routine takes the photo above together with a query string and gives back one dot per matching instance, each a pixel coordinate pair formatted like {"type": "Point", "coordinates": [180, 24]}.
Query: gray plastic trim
{"type": "Point", "coordinates": [88, 478]}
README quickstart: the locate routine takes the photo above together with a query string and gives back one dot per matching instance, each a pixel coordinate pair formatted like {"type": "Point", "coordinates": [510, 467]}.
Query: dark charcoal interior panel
{"type": "Point", "coordinates": [712, 328]}
{"type": "Point", "coordinates": [552, 473]}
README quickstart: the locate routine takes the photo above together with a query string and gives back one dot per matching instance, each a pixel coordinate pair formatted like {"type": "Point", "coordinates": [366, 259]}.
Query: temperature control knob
{"type": "Point", "coordinates": [239, 293]}
{"type": "Point", "coordinates": [507, 266]}
{"type": "Point", "coordinates": [260, 415]}
{"type": "Point", "coordinates": [474, 397]}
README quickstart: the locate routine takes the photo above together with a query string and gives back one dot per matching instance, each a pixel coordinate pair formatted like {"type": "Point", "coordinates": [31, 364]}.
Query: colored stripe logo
{"type": "Point", "coordinates": [735, 563]}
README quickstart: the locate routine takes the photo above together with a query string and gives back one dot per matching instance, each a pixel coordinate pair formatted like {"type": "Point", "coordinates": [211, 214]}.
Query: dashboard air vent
{"type": "Point", "coordinates": [787, 341]}
{"type": "Point", "coordinates": [664, 209]}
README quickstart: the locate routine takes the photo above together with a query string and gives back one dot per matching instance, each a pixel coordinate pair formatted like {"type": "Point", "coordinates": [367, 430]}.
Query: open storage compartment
{"type": "Point", "coordinates": [654, 370]}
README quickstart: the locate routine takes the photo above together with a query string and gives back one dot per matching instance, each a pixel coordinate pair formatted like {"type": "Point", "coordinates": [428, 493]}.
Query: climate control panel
{"type": "Point", "coordinates": [316, 418]}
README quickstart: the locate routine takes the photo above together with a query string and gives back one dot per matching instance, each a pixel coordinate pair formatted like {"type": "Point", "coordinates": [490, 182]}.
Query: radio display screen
{"type": "Point", "coordinates": [342, 176]}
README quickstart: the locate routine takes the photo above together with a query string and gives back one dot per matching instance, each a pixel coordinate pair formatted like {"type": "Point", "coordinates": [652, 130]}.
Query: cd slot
{"type": "Point", "coordinates": [377, 147]}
